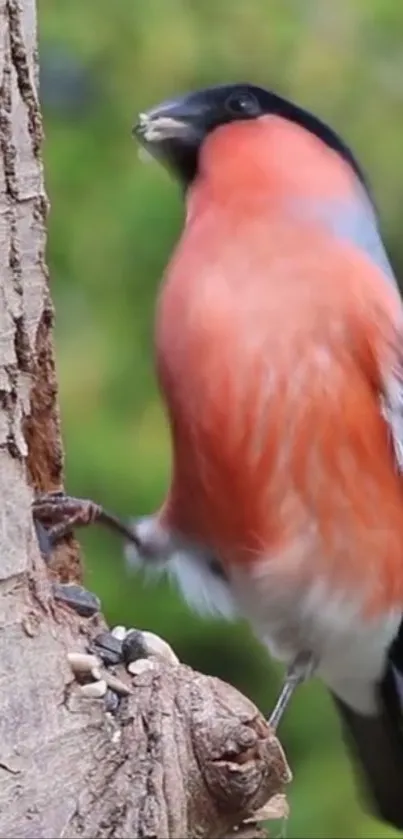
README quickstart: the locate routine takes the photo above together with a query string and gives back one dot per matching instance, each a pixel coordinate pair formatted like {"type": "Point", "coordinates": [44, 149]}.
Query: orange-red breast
{"type": "Point", "coordinates": [279, 355]}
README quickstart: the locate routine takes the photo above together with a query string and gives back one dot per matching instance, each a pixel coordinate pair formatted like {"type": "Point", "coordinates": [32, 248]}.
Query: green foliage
{"type": "Point", "coordinates": [112, 226]}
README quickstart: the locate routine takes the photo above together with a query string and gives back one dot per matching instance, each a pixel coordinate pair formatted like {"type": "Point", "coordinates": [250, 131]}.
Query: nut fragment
{"type": "Point", "coordinates": [139, 644]}
{"type": "Point", "coordinates": [96, 673]}
{"type": "Point", "coordinates": [135, 668]}
{"type": "Point", "coordinates": [94, 690]}
{"type": "Point", "coordinates": [84, 664]}
{"type": "Point", "coordinates": [111, 701]}
{"type": "Point", "coordinates": [84, 602]}
{"type": "Point", "coordinates": [134, 646]}
{"type": "Point", "coordinates": [119, 632]}
{"type": "Point", "coordinates": [107, 647]}
{"type": "Point", "coordinates": [159, 648]}
{"type": "Point", "coordinates": [116, 684]}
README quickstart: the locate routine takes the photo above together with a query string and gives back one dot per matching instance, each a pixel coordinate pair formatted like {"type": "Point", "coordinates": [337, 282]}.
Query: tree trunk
{"type": "Point", "coordinates": [184, 755]}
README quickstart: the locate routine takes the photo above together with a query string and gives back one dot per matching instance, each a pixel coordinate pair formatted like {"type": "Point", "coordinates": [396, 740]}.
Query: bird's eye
{"type": "Point", "coordinates": [243, 105]}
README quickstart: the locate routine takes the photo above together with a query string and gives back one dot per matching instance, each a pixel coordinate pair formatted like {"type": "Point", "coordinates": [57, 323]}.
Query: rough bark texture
{"type": "Point", "coordinates": [186, 755]}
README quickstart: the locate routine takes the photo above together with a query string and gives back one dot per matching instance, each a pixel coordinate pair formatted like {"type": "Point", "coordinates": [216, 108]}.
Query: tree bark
{"type": "Point", "coordinates": [185, 755]}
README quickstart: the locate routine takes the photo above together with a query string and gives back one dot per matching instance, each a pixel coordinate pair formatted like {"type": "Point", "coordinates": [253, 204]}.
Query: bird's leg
{"type": "Point", "coordinates": [299, 671]}
{"type": "Point", "coordinates": [55, 515]}
{"type": "Point", "coordinates": [58, 514]}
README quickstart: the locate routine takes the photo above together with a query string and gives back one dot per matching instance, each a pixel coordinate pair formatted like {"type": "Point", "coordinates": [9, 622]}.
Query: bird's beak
{"type": "Point", "coordinates": [173, 121]}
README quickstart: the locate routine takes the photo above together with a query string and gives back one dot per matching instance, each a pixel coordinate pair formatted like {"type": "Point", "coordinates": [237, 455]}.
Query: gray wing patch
{"type": "Point", "coordinates": [357, 223]}
{"type": "Point", "coordinates": [352, 220]}
{"type": "Point", "coordinates": [392, 410]}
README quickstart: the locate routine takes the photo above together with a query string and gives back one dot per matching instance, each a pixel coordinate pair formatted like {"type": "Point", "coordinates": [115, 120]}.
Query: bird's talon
{"type": "Point", "coordinates": [45, 541]}
{"type": "Point", "coordinates": [60, 513]}
{"type": "Point", "coordinates": [54, 494]}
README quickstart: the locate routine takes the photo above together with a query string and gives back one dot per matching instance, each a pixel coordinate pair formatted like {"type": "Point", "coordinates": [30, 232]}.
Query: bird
{"type": "Point", "coordinates": [279, 357]}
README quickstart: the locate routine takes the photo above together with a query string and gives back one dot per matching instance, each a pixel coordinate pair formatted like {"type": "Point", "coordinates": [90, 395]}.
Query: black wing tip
{"type": "Point", "coordinates": [376, 745]}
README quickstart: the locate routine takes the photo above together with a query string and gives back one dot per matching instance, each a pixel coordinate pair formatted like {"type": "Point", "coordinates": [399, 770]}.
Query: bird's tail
{"type": "Point", "coordinates": [377, 745]}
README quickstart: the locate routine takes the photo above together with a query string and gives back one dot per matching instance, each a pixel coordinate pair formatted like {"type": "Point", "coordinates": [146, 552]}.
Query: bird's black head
{"type": "Point", "coordinates": [175, 130]}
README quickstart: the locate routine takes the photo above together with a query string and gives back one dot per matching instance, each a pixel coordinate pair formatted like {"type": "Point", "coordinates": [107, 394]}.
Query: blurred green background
{"type": "Point", "coordinates": [113, 223]}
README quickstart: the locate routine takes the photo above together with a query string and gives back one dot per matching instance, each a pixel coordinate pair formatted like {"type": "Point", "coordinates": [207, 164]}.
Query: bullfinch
{"type": "Point", "coordinates": [279, 354]}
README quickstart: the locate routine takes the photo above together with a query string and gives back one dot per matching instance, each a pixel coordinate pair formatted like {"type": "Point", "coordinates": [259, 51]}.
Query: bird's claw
{"type": "Point", "coordinates": [301, 669]}
{"type": "Point", "coordinates": [59, 514]}
{"type": "Point", "coordinates": [55, 515]}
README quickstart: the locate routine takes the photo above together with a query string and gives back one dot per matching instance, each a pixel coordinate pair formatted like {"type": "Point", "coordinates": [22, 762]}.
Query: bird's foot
{"type": "Point", "coordinates": [55, 515]}
{"type": "Point", "coordinates": [58, 514]}
{"type": "Point", "coordinates": [298, 672]}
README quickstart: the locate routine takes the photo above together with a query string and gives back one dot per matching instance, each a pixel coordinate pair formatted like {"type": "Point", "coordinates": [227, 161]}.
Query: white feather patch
{"type": "Point", "coordinates": [203, 591]}
{"type": "Point", "coordinates": [317, 618]}
{"type": "Point", "coordinates": [189, 566]}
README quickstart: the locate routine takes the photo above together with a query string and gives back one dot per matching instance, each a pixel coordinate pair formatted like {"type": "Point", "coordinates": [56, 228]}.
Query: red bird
{"type": "Point", "coordinates": [279, 351]}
